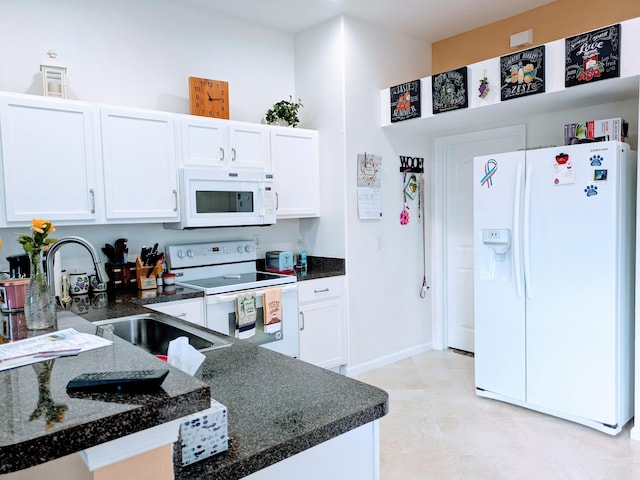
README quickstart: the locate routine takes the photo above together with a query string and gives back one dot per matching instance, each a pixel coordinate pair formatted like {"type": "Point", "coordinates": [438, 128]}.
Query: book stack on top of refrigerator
{"type": "Point", "coordinates": [596, 131]}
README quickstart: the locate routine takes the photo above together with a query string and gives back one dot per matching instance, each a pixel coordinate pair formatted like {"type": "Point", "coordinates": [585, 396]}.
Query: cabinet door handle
{"type": "Point", "coordinates": [181, 315]}
{"type": "Point", "coordinates": [302, 323]}
{"type": "Point", "coordinates": [324, 290]}
{"type": "Point", "coordinates": [175, 200]}
{"type": "Point", "coordinates": [233, 154]}
{"type": "Point", "coordinates": [277, 201]}
{"type": "Point", "coordinates": [221, 154]}
{"type": "Point", "coordinates": [92, 193]}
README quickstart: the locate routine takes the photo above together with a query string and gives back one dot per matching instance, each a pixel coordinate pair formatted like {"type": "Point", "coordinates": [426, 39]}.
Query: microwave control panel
{"type": "Point", "coordinates": [269, 201]}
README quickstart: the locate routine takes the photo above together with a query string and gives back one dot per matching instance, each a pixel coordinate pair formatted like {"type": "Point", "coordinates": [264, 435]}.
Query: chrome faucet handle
{"type": "Point", "coordinates": [101, 273]}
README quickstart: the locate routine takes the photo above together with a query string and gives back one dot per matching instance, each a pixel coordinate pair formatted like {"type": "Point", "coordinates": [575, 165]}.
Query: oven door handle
{"type": "Point", "coordinates": [223, 298]}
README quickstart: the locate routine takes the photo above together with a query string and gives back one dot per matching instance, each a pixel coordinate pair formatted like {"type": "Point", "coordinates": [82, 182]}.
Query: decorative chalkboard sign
{"type": "Point", "coordinates": [592, 56]}
{"type": "Point", "coordinates": [449, 90]}
{"type": "Point", "coordinates": [522, 73]}
{"type": "Point", "coordinates": [405, 101]}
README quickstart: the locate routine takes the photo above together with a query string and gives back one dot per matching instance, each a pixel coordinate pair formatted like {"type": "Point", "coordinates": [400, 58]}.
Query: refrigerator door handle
{"type": "Point", "coordinates": [526, 232]}
{"type": "Point", "coordinates": [517, 254]}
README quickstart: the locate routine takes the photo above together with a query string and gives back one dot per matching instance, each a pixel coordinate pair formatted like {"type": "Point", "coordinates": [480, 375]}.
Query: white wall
{"type": "Point", "coordinates": [387, 318]}
{"type": "Point", "coordinates": [320, 81]}
{"type": "Point", "coordinates": [341, 66]}
{"type": "Point", "coordinates": [140, 54]}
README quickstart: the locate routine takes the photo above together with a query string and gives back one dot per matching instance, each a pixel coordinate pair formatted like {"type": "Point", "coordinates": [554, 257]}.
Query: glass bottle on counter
{"type": "Point", "coordinates": [300, 256]}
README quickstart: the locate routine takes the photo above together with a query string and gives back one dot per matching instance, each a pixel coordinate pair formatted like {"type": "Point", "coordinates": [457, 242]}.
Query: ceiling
{"type": "Point", "coordinates": [430, 20]}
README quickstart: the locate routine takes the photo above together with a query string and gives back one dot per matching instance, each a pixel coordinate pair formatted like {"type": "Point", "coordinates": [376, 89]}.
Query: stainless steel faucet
{"type": "Point", "coordinates": [101, 273]}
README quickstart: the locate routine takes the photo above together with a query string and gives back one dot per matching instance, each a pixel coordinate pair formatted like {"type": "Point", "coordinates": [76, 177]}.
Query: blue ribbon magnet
{"type": "Point", "coordinates": [490, 169]}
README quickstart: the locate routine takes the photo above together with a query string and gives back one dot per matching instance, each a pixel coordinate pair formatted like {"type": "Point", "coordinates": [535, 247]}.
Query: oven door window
{"type": "Point", "coordinates": [214, 201]}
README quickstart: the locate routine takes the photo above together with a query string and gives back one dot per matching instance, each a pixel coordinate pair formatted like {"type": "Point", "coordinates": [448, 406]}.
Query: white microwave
{"type": "Point", "coordinates": [211, 197]}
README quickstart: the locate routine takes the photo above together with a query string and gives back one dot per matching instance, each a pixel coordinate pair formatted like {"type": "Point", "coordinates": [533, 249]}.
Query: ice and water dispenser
{"type": "Point", "coordinates": [496, 255]}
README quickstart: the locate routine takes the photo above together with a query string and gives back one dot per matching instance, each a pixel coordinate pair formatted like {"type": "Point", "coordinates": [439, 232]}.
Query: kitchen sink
{"type": "Point", "coordinates": [153, 332]}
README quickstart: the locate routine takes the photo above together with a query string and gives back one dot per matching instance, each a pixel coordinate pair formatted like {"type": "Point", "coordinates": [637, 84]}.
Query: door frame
{"type": "Point", "coordinates": [439, 252]}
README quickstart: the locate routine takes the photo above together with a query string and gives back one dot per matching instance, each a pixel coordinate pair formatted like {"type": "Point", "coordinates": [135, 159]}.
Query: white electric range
{"type": "Point", "coordinates": [226, 271]}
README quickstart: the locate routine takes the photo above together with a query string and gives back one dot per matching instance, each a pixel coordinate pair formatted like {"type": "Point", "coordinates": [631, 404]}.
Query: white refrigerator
{"type": "Point", "coordinates": [554, 263]}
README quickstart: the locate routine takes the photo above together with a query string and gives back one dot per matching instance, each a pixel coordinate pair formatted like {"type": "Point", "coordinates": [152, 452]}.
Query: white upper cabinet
{"type": "Point", "coordinates": [207, 142]}
{"type": "Point", "coordinates": [48, 159]}
{"type": "Point", "coordinates": [140, 170]}
{"type": "Point", "coordinates": [249, 145]}
{"type": "Point", "coordinates": [294, 160]}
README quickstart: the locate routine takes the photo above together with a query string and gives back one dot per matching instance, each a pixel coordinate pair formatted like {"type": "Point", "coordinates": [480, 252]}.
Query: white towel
{"type": "Point", "coordinates": [272, 308]}
{"type": "Point", "coordinates": [245, 315]}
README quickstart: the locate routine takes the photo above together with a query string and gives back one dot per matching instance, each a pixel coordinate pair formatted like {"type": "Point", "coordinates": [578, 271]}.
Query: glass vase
{"type": "Point", "coordinates": [39, 304]}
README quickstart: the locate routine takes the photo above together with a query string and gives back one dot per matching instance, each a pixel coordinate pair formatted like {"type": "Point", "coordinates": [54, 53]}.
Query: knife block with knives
{"type": "Point", "coordinates": [146, 274]}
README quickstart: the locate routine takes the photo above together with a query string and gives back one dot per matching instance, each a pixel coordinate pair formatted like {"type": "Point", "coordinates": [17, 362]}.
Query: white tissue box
{"type": "Point", "coordinates": [203, 434]}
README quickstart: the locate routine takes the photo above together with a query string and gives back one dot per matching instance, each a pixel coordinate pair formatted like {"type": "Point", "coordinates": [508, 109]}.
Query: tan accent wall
{"type": "Point", "coordinates": [556, 20]}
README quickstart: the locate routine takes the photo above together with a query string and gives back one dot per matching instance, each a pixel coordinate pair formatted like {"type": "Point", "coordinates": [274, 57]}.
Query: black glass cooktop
{"type": "Point", "coordinates": [239, 281]}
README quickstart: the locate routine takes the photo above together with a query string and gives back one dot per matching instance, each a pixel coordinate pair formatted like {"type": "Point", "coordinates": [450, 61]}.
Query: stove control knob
{"type": "Point", "coordinates": [240, 249]}
{"type": "Point", "coordinates": [190, 253]}
{"type": "Point", "coordinates": [180, 254]}
{"type": "Point", "coordinates": [247, 248]}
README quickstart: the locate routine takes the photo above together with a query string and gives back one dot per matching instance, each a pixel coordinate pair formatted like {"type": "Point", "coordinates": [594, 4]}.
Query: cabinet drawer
{"type": "Point", "coordinates": [190, 310]}
{"type": "Point", "coordinates": [320, 289]}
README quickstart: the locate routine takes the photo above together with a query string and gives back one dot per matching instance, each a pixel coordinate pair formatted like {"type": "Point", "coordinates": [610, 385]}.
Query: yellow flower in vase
{"type": "Point", "coordinates": [39, 308]}
{"type": "Point", "coordinates": [38, 240]}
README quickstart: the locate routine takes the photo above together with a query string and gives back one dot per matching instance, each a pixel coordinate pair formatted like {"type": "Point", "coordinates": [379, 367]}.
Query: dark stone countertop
{"type": "Point", "coordinates": [277, 406]}
{"type": "Point", "coordinates": [317, 267]}
{"type": "Point", "coordinates": [89, 419]}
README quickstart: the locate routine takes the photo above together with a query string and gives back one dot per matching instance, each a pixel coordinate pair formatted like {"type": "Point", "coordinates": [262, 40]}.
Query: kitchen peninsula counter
{"type": "Point", "coordinates": [277, 406]}
{"type": "Point", "coordinates": [40, 421]}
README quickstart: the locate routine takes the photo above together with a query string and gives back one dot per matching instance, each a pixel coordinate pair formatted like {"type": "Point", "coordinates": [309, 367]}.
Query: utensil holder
{"type": "Point", "coordinates": [122, 276]}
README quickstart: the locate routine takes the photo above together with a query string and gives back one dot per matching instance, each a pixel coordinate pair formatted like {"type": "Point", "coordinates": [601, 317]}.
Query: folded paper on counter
{"type": "Point", "coordinates": [47, 346]}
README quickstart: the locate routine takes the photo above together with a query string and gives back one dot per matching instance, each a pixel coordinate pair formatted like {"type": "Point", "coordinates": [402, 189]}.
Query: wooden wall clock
{"type": "Point", "coordinates": [209, 98]}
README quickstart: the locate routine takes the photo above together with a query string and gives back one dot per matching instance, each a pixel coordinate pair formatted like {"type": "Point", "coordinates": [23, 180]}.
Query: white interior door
{"type": "Point", "coordinates": [454, 205]}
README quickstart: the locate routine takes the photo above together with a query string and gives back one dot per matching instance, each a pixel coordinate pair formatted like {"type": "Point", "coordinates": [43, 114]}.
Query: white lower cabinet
{"type": "Point", "coordinates": [354, 455]}
{"type": "Point", "coordinates": [190, 310]}
{"type": "Point", "coordinates": [322, 322]}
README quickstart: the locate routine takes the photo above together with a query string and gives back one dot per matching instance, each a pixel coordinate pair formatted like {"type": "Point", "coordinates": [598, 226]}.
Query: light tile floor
{"type": "Point", "coordinates": [437, 428]}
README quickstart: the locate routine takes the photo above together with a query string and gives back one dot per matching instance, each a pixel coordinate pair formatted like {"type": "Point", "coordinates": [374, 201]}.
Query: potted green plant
{"type": "Point", "coordinates": [284, 112]}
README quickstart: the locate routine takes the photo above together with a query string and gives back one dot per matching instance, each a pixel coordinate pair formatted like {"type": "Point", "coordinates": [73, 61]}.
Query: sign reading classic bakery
{"type": "Point", "coordinates": [592, 56]}
{"type": "Point", "coordinates": [405, 101]}
{"type": "Point", "coordinates": [522, 73]}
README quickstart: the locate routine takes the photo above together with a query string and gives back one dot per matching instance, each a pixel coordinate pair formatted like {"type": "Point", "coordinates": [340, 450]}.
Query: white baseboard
{"type": "Point", "coordinates": [354, 370]}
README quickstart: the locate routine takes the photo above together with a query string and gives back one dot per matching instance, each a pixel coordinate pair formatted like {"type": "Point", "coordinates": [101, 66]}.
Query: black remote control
{"type": "Point", "coordinates": [125, 381]}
